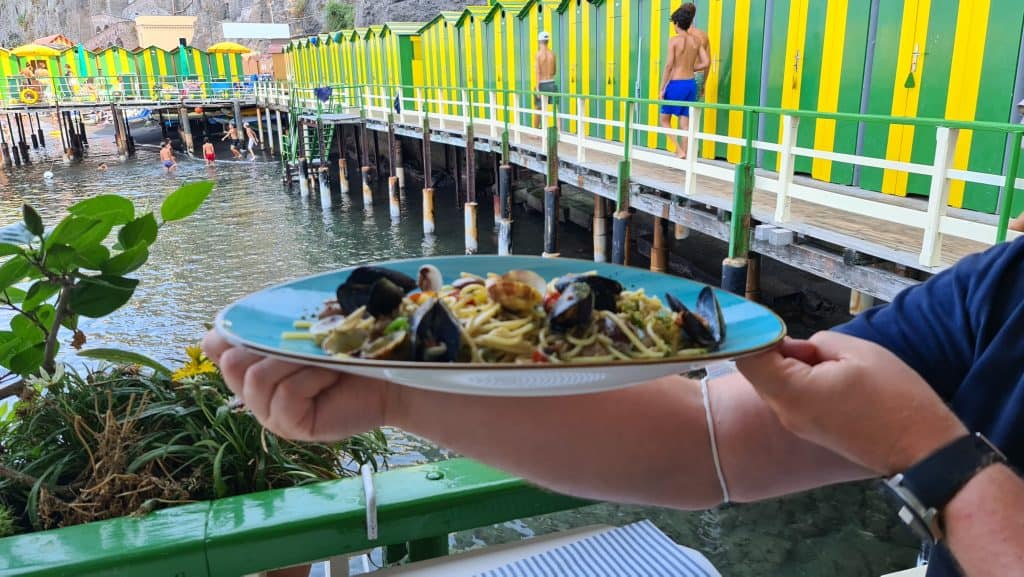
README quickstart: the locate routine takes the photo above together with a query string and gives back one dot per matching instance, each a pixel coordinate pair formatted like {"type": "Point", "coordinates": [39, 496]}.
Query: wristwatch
{"type": "Point", "coordinates": [925, 489]}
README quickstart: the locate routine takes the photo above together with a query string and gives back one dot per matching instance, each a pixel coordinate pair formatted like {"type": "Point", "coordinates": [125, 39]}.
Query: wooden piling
{"type": "Point", "coordinates": [505, 236]}
{"type": "Point", "coordinates": [681, 232]}
{"type": "Point", "coordinates": [734, 267]}
{"type": "Point", "coordinates": [185, 126]}
{"type": "Point", "coordinates": [343, 175]}
{"type": "Point", "coordinates": [860, 302]}
{"type": "Point", "coordinates": [39, 132]}
{"type": "Point", "coordinates": [236, 108]}
{"type": "Point", "coordinates": [600, 229]}
{"type": "Point", "coordinates": [119, 136]}
{"type": "Point", "coordinates": [472, 238]}
{"type": "Point", "coordinates": [394, 200]}
{"type": "Point", "coordinates": [32, 132]}
{"type": "Point", "coordinates": [469, 215]}
{"type": "Point", "coordinates": [280, 134]}
{"type": "Point", "coordinates": [399, 165]}
{"type": "Point", "coordinates": [620, 236]}
{"type": "Point", "coordinates": [551, 213]}
{"type": "Point", "coordinates": [367, 190]}
{"type": "Point", "coordinates": [428, 211]}
{"type": "Point", "coordinates": [325, 189]}
{"type": "Point", "coordinates": [81, 130]}
{"type": "Point", "coordinates": [259, 126]}
{"type": "Point", "coordinates": [734, 275]}
{"type": "Point", "coordinates": [658, 249]}
{"type": "Point", "coordinates": [22, 144]}
{"type": "Point", "coordinates": [753, 291]}
{"type": "Point", "coordinates": [303, 177]}
{"type": "Point", "coordinates": [270, 132]}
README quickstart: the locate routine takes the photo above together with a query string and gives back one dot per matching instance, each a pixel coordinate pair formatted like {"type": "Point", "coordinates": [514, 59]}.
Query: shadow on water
{"type": "Point", "coordinates": [251, 234]}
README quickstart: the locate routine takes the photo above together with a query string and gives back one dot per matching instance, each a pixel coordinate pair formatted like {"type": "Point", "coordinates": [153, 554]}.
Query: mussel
{"type": "Point", "coordinates": [517, 290]}
{"type": "Point", "coordinates": [380, 290]}
{"type": "Point", "coordinates": [429, 278]}
{"type": "Point", "coordinates": [605, 290]}
{"type": "Point", "coordinates": [574, 308]}
{"type": "Point", "coordinates": [705, 325]}
{"type": "Point", "coordinates": [436, 335]}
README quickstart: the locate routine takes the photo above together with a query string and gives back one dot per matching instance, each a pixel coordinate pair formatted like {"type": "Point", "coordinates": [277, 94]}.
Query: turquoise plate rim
{"type": "Point", "coordinates": [223, 327]}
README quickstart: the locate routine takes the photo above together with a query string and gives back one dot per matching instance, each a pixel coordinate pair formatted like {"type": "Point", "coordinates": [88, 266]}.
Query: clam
{"type": "Point", "coordinates": [466, 280]}
{"type": "Point", "coordinates": [429, 278]}
{"type": "Point", "coordinates": [345, 342]}
{"type": "Point", "coordinates": [322, 328]}
{"type": "Point", "coordinates": [517, 290]}
{"type": "Point", "coordinates": [705, 325]}
{"type": "Point", "coordinates": [379, 289]}
{"type": "Point", "coordinates": [394, 345]}
{"type": "Point", "coordinates": [605, 290]}
{"type": "Point", "coordinates": [574, 308]}
{"type": "Point", "coordinates": [436, 335]}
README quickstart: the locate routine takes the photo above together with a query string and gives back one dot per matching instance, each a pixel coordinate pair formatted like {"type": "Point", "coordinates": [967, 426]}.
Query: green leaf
{"type": "Point", "coordinates": [92, 257]}
{"type": "Point", "coordinates": [25, 329]}
{"type": "Point", "coordinates": [70, 322]}
{"type": "Point", "coordinates": [127, 261]}
{"type": "Point", "coordinates": [13, 271]}
{"type": "Point", "coordinates": [60, 258]}
{"type": "Point", "coordinates": [12, 295]}
{"type": "Point", "coordinates": [185, 200]}
{"type": "Point", "coordinates": [95, 297]}
{"type": "Point", "coordinates": [106, 207]}
{"type": "Point", "coordinates": [33, 222]}
{"type": "Point", "coordinates": [220, 487]}
{"type": "Point", "coordinates": [9, 345]}
{"type": "Point", "coordinates": [16, 234]}
{"type": "Point", "coordinates": [118, 356]}
{"type": "Point", "coordinates": [142, 229]}
{"type": "Point", "coordinates": [28, 361]}
{"type": "Point", "coordinates": [7, 248]}
{"type": "Point", "coordinates": [79, 232]}
{"type": "Point", "coordinates": [38, 293]}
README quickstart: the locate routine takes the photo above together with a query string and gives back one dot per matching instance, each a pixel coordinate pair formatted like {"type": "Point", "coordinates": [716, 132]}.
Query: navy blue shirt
{"type": "Point", "coordinates": [963, 332]}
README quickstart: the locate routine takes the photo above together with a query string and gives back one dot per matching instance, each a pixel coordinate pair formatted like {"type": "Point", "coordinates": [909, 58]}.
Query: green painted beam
{"type": "Point", "coordinates": [250, 533]}
{"type": "Point", "coordinates": [278, 528]}
{"type": "Point", "coordinates": [166, 543]}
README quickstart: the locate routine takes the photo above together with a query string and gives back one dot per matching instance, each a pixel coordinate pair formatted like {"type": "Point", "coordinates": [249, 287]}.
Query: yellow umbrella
{"type": "Point", "coordinates": [34, 51]}
{"type": "Point", "coordinates": [228, 48]}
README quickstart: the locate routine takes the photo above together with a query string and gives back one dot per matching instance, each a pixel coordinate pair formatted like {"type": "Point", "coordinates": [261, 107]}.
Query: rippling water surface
{"type": "Point", "coordinates": [251, 233]}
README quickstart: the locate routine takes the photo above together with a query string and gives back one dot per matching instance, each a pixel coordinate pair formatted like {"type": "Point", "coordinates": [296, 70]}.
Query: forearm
{"type": "Point", "coordinates": [645, 444]}
{"type": "Point", "coordinates": [983, 524]}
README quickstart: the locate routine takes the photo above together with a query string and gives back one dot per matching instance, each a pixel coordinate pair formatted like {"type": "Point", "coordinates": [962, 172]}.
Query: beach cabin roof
{"type": "Point", "coordinates": [58, 41]}
{"type": "Point", "coordinates": [478, 12]}
{"type": "Point", "coordinates": [404, 28]}
{"type": "Point", "coordinates": [528, 5]}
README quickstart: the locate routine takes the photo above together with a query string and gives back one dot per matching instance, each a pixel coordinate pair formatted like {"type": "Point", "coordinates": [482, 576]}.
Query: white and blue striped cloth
{"type": "Point", "coordinates": [637, 550]}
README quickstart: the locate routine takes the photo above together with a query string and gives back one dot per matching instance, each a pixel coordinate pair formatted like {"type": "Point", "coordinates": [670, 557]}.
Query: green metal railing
{"type": "Point", "coordinates": [500, 102]}
{"type": "Point", "coordinates": [416, 507]}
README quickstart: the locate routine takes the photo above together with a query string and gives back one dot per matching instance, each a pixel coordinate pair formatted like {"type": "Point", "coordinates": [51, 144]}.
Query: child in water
{"type": "Point", "coordinates": [208, 153]}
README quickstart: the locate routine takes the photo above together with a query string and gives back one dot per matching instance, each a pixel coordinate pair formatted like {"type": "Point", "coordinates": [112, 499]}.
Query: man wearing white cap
{"type": "Point", "coordinates": [545, 68]}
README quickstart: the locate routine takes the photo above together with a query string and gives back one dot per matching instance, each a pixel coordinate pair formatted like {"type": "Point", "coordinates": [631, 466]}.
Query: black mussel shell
{"type": "Point", "coordinates": [695, 327]}
{"type": "Point", "coordinates": [574, 308]}
{"type": "Point", "coordinates": [436, 336]}
{"type": "Point", "coordinates": [385, 296]}
{"type": "Point", "coordinates": [709, 309]}
{"type": "Point", "coordinates": [355, 291]}
{"type": "Point", "coordinates": [605, 290]}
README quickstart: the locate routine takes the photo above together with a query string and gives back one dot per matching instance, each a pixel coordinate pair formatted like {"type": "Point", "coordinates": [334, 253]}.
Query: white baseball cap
{"type": "Point", "coordinates": [543, 37]}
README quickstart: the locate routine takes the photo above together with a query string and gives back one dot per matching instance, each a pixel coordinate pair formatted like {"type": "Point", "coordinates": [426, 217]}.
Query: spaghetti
{"type": "Point", "coordinates": [516, 317]}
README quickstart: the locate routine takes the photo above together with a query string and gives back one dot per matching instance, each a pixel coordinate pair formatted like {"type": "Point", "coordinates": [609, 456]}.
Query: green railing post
{"type": "Point", "coordinates": [504, 134]}
{"type": "Point", "coordinates": [620, 221]}
{"type": "Point", "coordinates": [734, 268]}
{"type": "Point", "coordinates": [1009, 187]}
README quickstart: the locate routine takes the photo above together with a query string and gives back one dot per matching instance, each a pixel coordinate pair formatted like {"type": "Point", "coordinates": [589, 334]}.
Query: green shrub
{"type": "Point", "coordinates": [339, 15]}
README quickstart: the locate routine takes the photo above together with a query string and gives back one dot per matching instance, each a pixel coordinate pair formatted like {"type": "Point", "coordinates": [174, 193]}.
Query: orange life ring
{"type": "Point", "coordinates": [28, 96]}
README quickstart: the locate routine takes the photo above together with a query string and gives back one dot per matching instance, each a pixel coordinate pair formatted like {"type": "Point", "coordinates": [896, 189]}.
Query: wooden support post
{"type": "Point", "coordinates": [236, 107]}
{"type": "Point", "coordinates": [376, 152]}
{"type": "Point", "coordinates": [325, 188]}
{"type": "Point", "coordinates": [367, 190]}
{"type": "Point", "coordinates": [620, 236]}
{"type": "Point", "coordinates": [259, 126]}
{"type": "Point", "coordinates": [753, 277]}
{"type": "Point", "coordinates": [343, 175]}
{"type": "Point", "coordinates": [734, 267]}
{"type": "Point", "coordinates": [186, 130]}
{"type": "Point", "coordinates": [39, 131]}
{"type": "Point", "coordinates": [129, 139]}
{"type": "Point", "coordinates": [32, 132]}
{"type": "Point", "coordinates": [505, 236]}
{"type": "Point", "coordinates": [270, 132]}
{"type": "Point", "coordinates": [399, 164]}
{"type": "Point", "coordinates": [22, 144]}
{"type": "Point", "coordinates": [280, 134]}
{"type": "Point", "coordinates": [81, 130]}
{"type": "Point", "coordinates": [860, 302]}
{"type": "Point", "coordinates": [392, 165]}
{"type": "Point", "coordinates": [658, 250]}
{"type": "Point", "coordinates": [394, 201]}
{"type": "Point", "coordinates": [119, 136]}
{"type": "Point", "coordinates": [428, 211]}
{"type": "Point", "coordinates": [469, 215]}
{"type": "Point", "coordinates": [15, 152]}
{"type": "Point", "coordinates": [457, 174]}
{"type": "Point", "coordinates": [495, 193]}
{"type": "Point", "coordinates": [552, 211]}
{"type": "Point", "coordinates": [600, 229]}
{"type": "Point", "coordinates": [303, 177]}
{"type": "Point", "coordinates": [5, 152]}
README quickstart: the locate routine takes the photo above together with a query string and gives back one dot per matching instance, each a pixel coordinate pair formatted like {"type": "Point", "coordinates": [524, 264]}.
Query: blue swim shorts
{"type": "Point", "coordinates": [682, 90]}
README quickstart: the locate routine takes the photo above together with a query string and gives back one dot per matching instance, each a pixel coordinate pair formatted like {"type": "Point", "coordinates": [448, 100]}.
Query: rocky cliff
{"type": "Point", "coordinates": [25, 20]}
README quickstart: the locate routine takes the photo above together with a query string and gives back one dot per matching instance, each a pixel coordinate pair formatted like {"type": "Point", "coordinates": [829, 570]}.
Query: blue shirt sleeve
{"type": "Point", "coordinates": [940, 326]}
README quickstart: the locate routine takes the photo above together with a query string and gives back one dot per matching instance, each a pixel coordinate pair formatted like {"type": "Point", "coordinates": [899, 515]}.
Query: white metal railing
{"type": "Point", "coordinates": [123, 90]}
{"type": "Point", "coordinates": [489, 120]}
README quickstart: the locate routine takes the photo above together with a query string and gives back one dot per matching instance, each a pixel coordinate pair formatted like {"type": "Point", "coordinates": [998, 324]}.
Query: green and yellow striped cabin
{"type": "Point", "coordinates": [226, 67]}
{"type": "Point", "coordinates": [442, 60]}
{"type": "Point", "coordinates": [10, 80]}
{"type": "Point", "coordinates": [156, 72]}
{"type": "Point", "coordinates": [404, 54]}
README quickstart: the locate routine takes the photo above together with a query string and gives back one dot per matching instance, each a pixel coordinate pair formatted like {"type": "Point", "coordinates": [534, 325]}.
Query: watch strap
{"type": "Point", "coordinates": [936, 479]}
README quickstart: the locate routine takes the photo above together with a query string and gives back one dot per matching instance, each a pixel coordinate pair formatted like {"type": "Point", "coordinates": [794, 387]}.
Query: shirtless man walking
{"type": "Point", "coordinates": [167, 156]}
{"type": "Point", "coordinates": [236, 142]}
{"type": "Point", "coordinates": [545, 67]}
{"type": "Point", "coordinates": [701, 74]}
{"type": "Point", "coordinates": [686, 55]}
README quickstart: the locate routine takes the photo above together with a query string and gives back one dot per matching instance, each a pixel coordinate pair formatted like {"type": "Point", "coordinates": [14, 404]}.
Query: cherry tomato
{"type": "Point", "coordinates": [540, 357]}
{"type": "Point", "coordinates": [549, 300]}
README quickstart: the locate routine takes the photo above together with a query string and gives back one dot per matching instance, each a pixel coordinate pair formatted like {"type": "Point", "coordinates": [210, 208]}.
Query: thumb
{"type": "Point", "coordinates": [773, 373]}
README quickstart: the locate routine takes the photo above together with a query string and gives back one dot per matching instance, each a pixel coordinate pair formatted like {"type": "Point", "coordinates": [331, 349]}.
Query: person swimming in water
{"type": "Point", "coordinates": [167, 156]}
{"type": "Point", "coordinates": [208, 152]}
{"type": "Point", "coordinates": [686, 54]}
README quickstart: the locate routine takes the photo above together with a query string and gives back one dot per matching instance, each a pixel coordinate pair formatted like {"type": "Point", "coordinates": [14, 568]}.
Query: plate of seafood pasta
{"type": "Point", "coordinates": [500, 325]}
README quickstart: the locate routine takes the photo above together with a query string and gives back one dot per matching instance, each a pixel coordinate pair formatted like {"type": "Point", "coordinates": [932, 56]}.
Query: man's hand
{"type": "Point", "coordinates": [297, 402]}
{"type": "Point", "coordinates": [855, 398]}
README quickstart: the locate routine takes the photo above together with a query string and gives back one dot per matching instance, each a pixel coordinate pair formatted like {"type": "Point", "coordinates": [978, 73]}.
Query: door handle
{"type": "Point", "coordinates": [796, 69]}
{"type": "Point", "coordinates": [914, 57]}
